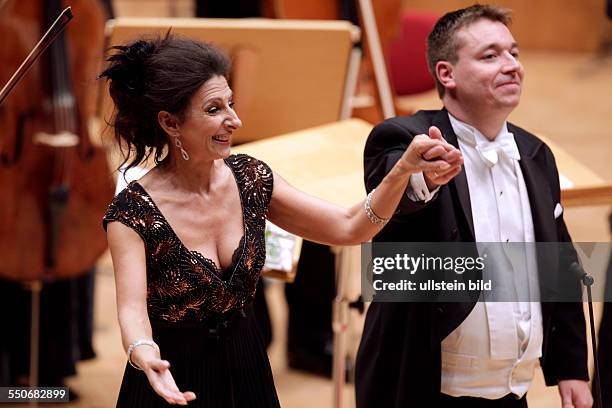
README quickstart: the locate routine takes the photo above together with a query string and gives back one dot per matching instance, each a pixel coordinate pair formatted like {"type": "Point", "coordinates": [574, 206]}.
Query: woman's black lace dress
{"type": "Point", "coordinates": [200, 315]}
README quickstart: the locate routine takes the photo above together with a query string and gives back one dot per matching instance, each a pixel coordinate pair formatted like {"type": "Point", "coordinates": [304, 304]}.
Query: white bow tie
{"type": "Point", "coordinates": [489, 150]}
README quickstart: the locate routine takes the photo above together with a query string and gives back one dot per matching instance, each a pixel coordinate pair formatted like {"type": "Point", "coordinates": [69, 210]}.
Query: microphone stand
{"type": "Point", "coordinates": [588, 281]}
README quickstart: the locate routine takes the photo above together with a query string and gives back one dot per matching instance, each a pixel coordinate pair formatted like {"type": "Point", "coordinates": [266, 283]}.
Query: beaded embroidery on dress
{"type": "Point", "coordinates": [201, 316]}
{"type": "Point", "coordinates": [183, 285]}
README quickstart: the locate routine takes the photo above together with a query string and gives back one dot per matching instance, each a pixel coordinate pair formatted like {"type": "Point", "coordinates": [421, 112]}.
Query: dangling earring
{"type": "Point", "coordinates": [179, 145]}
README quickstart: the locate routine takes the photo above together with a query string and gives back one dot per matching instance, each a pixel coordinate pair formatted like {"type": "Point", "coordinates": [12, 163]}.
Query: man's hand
{"type": "Point", "coordinates": [451, 155]}
{"type": "Point", "coordinates": [414, 158]}
{"type": "Point", "coordinates": [575, 394]}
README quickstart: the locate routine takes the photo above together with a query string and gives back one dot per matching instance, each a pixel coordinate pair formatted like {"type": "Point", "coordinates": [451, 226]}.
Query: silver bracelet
{"type": "Point", "coordinates": [374, 219]}
{"type": "Point", "coordinates": [141, 342]}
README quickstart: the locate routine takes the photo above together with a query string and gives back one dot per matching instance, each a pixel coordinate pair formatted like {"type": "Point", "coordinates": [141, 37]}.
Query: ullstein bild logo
{"type": "Point", "coordinates": [432, 285]}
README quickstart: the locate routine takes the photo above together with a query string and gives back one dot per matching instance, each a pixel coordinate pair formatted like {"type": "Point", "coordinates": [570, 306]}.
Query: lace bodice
{"type": "Point", "coordinates": [183, 285]}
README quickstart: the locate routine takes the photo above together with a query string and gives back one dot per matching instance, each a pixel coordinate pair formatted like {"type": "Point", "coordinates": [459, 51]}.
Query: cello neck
{"type": "Point", "coordinates": [61, 91]}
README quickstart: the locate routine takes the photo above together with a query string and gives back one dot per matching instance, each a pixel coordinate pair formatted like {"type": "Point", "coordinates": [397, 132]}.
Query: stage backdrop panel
{"type": "Point", "coordinates": [287, 74]}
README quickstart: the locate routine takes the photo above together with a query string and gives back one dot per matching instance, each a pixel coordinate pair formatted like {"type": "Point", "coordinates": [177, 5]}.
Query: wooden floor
{"type": "Point", "coordinates": [567, 97]}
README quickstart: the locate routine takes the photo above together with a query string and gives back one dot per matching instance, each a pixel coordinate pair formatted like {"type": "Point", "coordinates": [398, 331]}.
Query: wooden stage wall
{"type": "Point", "coordinates": [561, 25]}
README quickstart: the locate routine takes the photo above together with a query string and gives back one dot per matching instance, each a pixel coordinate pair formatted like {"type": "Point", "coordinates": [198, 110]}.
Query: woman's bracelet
{"type": "Point", "coordinates": [374, 219]}
{"type": "Point", "coordinates": [141, 342]}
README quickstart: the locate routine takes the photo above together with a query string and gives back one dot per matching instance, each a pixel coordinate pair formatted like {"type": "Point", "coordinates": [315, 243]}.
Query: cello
{"type": "Point", "coordinates": [55, 182]}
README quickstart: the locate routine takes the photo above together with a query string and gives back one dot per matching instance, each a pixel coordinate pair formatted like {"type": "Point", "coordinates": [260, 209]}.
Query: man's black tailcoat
{"type": "Point", "coordinates": [398, 364]}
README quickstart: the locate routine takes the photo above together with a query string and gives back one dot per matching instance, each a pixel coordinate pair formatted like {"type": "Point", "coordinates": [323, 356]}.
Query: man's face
{"type": "Point", "coordinates": [487, 73]}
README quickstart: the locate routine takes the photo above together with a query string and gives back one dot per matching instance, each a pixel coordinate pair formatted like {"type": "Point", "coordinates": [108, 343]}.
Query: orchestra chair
{"type": "Point", "coordinates": [406, 55]}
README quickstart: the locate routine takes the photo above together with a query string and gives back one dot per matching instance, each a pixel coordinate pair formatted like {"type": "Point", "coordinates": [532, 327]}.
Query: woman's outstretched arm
{"type": "Point", "coordinates": [320, 221]}
{"type": "Point", "coordinates": [129, 263]}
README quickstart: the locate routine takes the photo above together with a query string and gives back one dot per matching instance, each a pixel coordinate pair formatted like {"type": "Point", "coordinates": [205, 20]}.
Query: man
{"type": "Point", "coordinates": [452, 354]}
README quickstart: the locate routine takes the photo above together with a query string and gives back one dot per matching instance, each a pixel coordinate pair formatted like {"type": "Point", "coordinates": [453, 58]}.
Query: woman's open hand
{"type": "Point", "coordinates": [158, 373]}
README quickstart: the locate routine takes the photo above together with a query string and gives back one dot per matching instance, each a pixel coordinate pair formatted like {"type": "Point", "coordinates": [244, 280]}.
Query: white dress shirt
{"type": "Point", "coordinates": [494, 351]}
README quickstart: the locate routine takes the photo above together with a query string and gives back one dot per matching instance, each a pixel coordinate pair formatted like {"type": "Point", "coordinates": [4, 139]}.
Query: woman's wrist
{"type": "Point", "coordinates": [371, 214]}
{"type": "Point", "coordinates": [138, 350]}
{"type": "Point", "coordinates": [401, 170]}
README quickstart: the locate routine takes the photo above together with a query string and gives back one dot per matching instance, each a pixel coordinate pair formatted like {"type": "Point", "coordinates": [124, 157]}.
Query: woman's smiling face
{"type": "Point", "coordinates": [209, 121]}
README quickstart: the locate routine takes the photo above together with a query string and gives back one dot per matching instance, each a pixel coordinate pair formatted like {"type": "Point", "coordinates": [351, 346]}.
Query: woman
{"type": "Point", "coordinates": [188, 246]}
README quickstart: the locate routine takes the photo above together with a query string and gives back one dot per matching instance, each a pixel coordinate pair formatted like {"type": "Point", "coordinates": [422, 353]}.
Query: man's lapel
{"type": "Point", "coordinates": [542, 212]}
{"type": "Point", "coordinates": [538, 187]}
{"type": "Point", "coordinates": [458, 185]}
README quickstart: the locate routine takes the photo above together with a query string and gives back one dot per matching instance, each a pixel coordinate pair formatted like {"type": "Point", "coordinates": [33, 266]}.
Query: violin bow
{"type": "Point", "coordinates": [56, 28]}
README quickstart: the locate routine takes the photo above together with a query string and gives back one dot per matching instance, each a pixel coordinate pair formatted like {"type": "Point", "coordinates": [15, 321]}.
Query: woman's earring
{"type": "Point", "coordinates": [179, 145]}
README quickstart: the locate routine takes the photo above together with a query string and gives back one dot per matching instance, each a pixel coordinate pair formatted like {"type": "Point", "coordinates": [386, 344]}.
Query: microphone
{"type": "Point", "coordinates": [587, 280]}
{"type": "Point", "coordinates": [578, 271]}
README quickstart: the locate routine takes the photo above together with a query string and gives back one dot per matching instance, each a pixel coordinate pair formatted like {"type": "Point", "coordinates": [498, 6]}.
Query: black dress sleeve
{"type": "Point", "coordinates": [256, 180]}
{"type": "Point", "coordinates": [129, 208]}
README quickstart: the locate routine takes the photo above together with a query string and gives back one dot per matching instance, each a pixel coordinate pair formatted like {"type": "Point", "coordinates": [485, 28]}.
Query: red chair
{"type": "Point", "coordinates": [406, 55]}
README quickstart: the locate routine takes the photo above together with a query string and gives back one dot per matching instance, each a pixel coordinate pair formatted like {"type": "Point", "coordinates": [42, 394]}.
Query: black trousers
{"type": "Point", "coordinates": [66, 329]}
{"type": "Point", "coordinates": [509, 401]}
{"type": "Point", "coordinates": [309, 300]}
{"type": "Point", "coordinates": [604, 345]}
{"type": "Point", "coordinates": [604, 354]}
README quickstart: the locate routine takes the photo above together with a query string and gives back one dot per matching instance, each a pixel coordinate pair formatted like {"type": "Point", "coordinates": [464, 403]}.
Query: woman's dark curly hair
{"type": "Point", "coordinates": [149, 76]}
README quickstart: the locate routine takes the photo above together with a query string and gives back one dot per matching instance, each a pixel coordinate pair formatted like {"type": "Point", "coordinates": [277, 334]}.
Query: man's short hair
{"type": "Point", "coordinates": [442, 43]}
